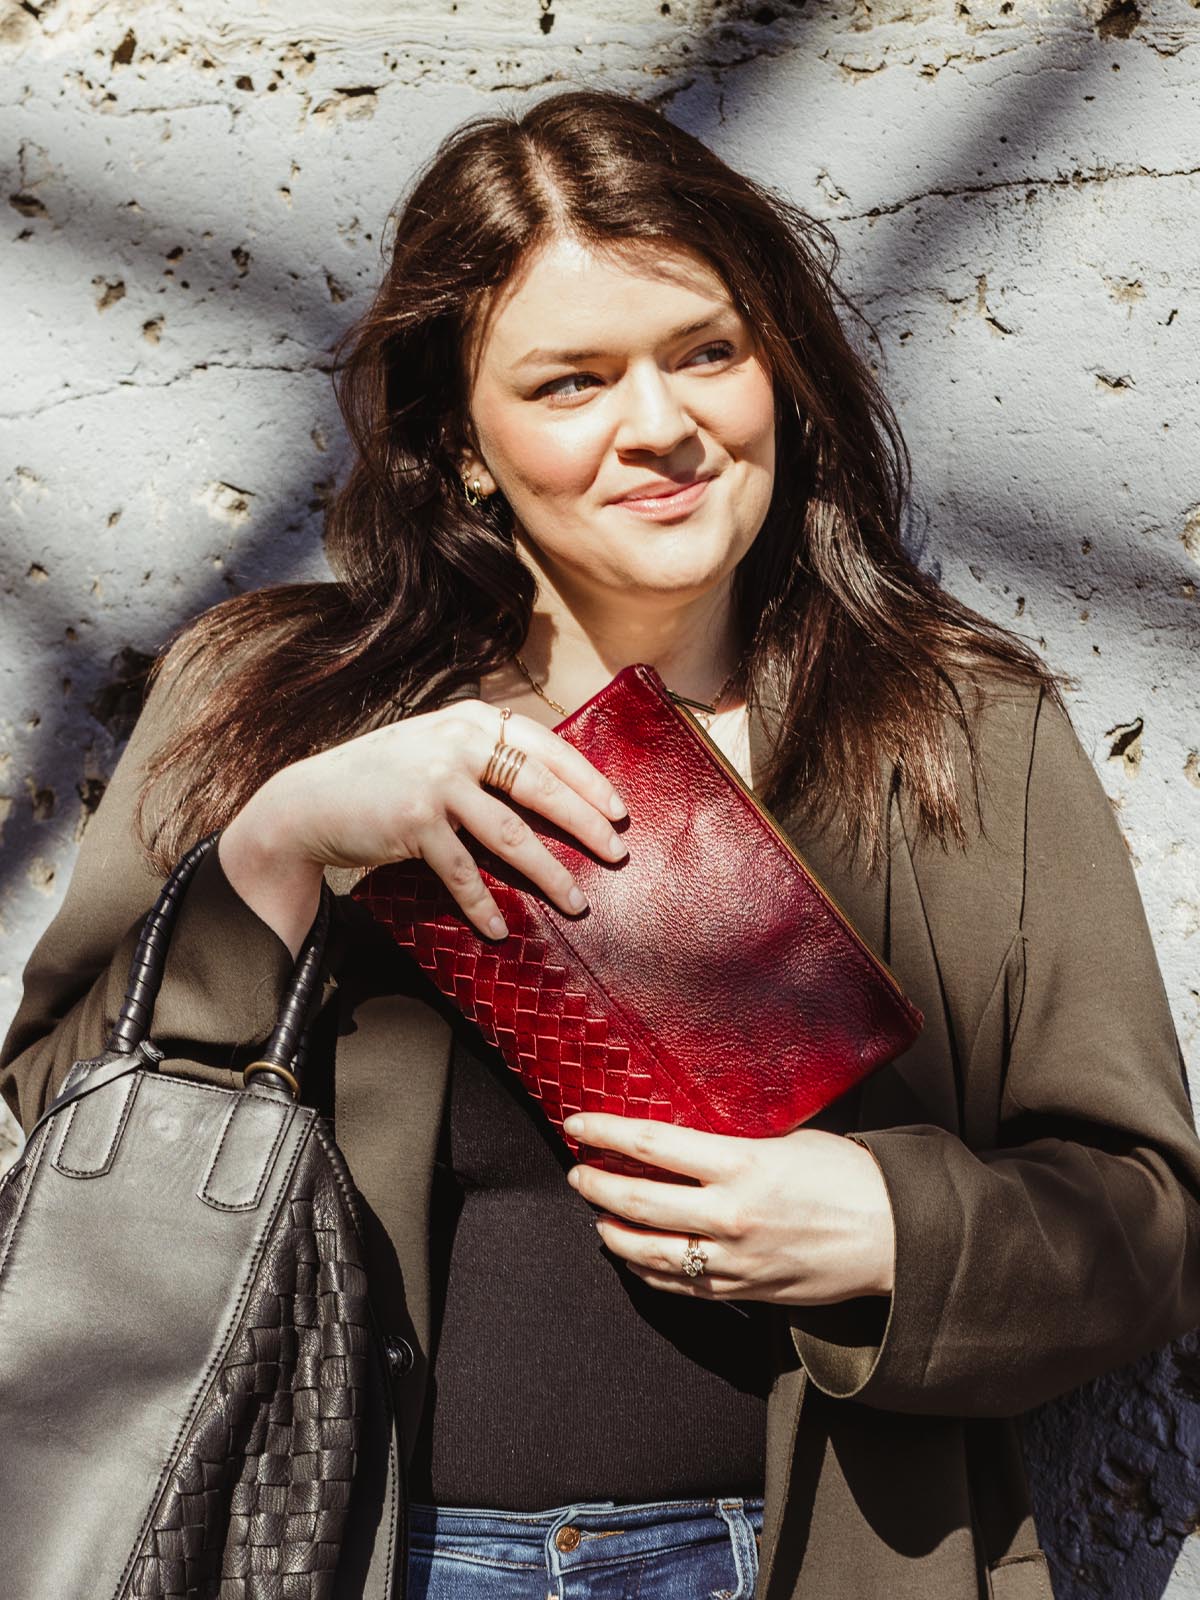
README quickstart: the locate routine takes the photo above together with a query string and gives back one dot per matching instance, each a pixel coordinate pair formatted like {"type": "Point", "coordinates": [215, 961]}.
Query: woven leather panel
{"type": "Point", "coordinates": [557, 1034]}
{"type": "Point", "coordinates": [256, 1503]}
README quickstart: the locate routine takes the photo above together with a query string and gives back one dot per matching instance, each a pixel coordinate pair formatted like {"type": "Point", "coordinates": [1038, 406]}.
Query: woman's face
{"type": "Point", "coordinates": [599, 376]}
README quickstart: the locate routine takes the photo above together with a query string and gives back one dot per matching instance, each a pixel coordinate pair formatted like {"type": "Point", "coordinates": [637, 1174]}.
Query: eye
{"type": "Point", "coordinates": [722, 348]}
{"type": "Point", "coordinates": [554, 388]}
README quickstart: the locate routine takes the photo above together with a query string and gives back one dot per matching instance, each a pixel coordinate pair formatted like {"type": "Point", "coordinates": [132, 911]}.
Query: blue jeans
{"type": "Point", "coordinates": [593, 1550]}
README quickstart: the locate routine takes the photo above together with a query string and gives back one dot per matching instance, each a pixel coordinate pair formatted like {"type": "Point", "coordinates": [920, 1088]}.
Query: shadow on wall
{"type": "Point", "coordinates": [1115, 1467]}
{"type": "Point", "coordinates": [1115, 1472]}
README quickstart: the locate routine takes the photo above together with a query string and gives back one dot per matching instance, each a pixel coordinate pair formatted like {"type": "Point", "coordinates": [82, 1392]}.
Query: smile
{"type": "Point", "coordinates": [660, 507]}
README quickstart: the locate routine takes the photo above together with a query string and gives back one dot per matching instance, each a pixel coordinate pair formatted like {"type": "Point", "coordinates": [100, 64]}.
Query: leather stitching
{"type": "Point", "coordinates": [393, 1476]}
{"type": "Point", "coordinates": [337, 1163]}
{"type": "Point", "coordinates": [264, 1174]}
{"type": "Point", "coordinates": [131, 1088]}
{"type": "Point", "coordinates": [31, 1173]}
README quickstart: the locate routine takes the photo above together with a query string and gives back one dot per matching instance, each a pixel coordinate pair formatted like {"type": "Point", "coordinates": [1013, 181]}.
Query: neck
{"type": "Point", "coordinates": [574, 647]}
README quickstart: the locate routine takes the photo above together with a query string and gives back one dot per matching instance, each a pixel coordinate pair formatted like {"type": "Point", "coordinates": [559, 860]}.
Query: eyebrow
{"type": "Point", "coordinates": [568, 357]}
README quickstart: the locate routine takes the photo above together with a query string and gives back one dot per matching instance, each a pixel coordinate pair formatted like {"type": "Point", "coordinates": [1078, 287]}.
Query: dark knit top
{"type": "Point", "coordinates": [557, 1375]}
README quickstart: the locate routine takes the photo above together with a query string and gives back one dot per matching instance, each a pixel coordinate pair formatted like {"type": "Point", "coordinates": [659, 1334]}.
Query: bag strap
{"type": "Point", "coordinates": [83, 1079]}
{"type": "Point", "coordinates": [129, 1047]}
{"type": "Point", "coordinates": [282, 1058]}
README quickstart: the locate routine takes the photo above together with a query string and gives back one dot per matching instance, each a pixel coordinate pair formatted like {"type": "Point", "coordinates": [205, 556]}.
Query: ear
{"type": "Point", "coordinates": [458, 436]}
{"type": "Point", "coordinates": [471, 466]}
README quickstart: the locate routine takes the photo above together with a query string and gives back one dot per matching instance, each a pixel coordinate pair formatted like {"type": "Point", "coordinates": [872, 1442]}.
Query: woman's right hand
{"type": "Point", "coordinates": [402, 791]}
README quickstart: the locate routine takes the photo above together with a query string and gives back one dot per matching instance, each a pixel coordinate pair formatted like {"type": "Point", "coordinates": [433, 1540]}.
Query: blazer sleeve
{"type": "Point", "coordinates": [1074, 1245]}
{"type": "Point", "coordinates": [225, 972]}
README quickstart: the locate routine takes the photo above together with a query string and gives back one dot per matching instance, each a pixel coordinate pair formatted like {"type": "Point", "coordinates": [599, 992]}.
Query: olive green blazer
{"type": "Point", "coordinates": [1037, 1143]}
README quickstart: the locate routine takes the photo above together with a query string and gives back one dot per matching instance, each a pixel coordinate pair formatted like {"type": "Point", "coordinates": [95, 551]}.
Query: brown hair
{"type": "Point", "coordinates": [859, 648]}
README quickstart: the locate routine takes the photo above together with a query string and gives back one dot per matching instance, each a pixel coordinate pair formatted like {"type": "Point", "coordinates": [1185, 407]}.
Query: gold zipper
{"type": "Point", "coordinates": [727, 766]}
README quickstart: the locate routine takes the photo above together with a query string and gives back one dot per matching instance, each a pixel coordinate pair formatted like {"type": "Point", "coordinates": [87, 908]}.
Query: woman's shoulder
{"type": "Point", "coordinates": [235, 636]}
{"type": "Point", "coordinates": [228, 635]}
{"type": "Point", "coordinates": [1012, 746]}
{"type": "Point", "coordinates": [1034, 810]}
{"type": "Point", "coordinates": [989, 723]}
{"type": "Point", "coordinates": [998, 708]}
{"type": "Point", "coordinates": [999, 726]}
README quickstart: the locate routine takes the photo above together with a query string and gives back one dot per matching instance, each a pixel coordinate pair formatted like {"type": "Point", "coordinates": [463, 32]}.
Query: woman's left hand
{"type": "Point", "coordinates": [800, 1219]}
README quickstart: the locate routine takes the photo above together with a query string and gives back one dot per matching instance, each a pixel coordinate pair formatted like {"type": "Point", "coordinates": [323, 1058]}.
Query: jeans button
{"type": "Point", "coordinates": [567, 1539]}
{"type": "Point", "coordinates": [399, 1354]}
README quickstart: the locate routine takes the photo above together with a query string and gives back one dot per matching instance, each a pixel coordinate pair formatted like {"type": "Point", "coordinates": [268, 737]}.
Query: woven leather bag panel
{"type": "Point", "coordinates": [256, 1503]}
{"type": "Point", "coordinates": [555, 1034]}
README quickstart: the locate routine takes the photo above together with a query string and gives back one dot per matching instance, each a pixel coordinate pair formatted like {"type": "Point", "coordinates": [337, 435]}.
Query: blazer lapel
{"type": "Point", "coordinates": [863, 897]}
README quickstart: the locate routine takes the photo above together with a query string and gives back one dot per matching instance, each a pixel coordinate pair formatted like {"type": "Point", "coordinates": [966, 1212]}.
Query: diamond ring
{"type": "Point", "coordinates": [694, 1259]}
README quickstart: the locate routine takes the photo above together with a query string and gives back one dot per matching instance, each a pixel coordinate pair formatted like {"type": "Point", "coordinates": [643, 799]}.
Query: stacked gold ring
{"type": "Point", "coordinates": [505, 761]}
{"type": "Point", "coordinates": [694, 1259]}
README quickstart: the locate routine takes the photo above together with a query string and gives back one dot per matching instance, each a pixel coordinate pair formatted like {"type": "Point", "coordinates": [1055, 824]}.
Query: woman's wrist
{"type": "Point", "coordinates": [267, 869]}
{"type": "Point", "coordinates": [881, 1231]}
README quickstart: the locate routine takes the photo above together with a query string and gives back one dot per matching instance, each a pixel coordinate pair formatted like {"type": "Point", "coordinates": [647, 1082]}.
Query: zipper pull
{"type": "Point", "coordinates": [696, 705]}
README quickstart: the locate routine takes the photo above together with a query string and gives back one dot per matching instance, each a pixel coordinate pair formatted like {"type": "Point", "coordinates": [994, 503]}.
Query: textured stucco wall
{"type": "Point", "coordinates": [193, 209]}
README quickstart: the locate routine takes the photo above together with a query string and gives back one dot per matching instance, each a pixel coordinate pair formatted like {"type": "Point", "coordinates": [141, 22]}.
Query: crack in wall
{"type": "Point", "coordinates": [323, 366]}
{"type": "Point", "coordinates": [1078, 179]}
{"type": "Point", "coordinates": [188, 526]}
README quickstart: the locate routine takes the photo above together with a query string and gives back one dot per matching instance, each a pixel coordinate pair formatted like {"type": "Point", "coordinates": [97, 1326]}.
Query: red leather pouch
{"type": "Point", "coordinates": [711, 981]}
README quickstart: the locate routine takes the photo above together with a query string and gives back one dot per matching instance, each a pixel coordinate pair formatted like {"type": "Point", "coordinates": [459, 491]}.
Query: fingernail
{"type": "Point", "coordinates": [617, 846]}
{"type": "Point", "coordinates": [498, 928]}
{"type": "Point", "coordinates": [576, 899]}
{"type": "Point", "coordinates": [617, 808]}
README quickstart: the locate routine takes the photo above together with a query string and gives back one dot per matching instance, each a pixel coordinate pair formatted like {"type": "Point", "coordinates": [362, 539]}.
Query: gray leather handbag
{"type": "Point", "coordinates": [194, 1399]}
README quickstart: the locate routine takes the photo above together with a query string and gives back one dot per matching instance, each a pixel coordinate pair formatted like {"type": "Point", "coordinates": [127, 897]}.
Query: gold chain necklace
{"type": "Point", "coordinates": [703, 711]}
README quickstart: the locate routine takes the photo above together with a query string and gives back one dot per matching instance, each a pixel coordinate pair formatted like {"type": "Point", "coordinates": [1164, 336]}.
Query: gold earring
{"type": "Point", "coordinates": [472, 491]}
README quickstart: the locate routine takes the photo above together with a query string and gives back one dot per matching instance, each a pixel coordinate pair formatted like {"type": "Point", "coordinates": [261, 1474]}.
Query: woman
{"type": "Point", "coordinates": [604, 413]}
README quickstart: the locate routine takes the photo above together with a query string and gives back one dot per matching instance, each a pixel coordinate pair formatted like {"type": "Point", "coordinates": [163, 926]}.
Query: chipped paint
{"type": "Point", "coordinates": [194, 207]}
{"type": "Point", "coordinates": [225, 502]}
{"type": "Point", "coordinates": [1125, 745]}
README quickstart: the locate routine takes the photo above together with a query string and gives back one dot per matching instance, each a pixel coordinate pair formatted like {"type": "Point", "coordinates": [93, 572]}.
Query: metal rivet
{"type": "Point", "coordinates": [567, 1539]}
{"type": "Point", "coordinates": [400, 1356]}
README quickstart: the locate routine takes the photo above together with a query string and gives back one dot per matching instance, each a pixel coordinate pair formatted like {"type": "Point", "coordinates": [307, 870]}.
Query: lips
{"type": "Point", "coordinates": [662, 488]}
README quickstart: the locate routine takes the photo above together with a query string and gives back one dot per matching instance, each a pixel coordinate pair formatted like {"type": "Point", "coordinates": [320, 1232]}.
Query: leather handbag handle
{"type": "Point", "coordinates": [283, 1055]}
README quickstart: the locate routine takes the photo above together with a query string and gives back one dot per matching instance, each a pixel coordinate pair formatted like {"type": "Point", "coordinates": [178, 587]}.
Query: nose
{"type": "Point", "coordinates": [652, 417]}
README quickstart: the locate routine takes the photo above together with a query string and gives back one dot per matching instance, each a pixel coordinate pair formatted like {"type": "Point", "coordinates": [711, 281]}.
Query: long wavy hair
{"type": "Point", "coordinates": [861, 653]}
